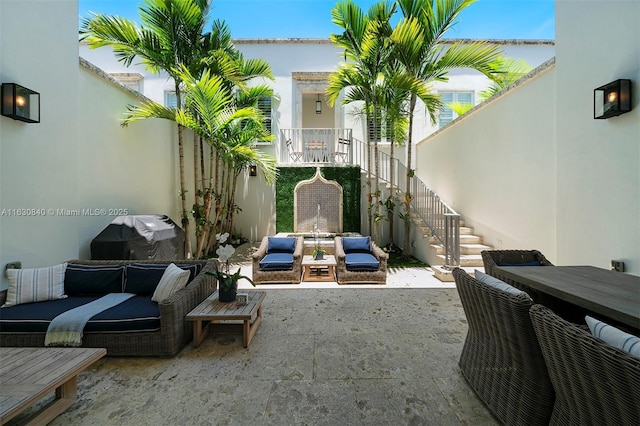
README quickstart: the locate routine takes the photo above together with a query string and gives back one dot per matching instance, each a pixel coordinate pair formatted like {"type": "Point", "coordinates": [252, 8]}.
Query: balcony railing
{"type": "Point", "coordinates": [315, 146]}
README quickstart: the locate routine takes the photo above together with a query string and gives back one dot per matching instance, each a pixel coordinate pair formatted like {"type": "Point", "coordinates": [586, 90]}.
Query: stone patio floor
{"type": "Point", "coordinates": [322, 356]}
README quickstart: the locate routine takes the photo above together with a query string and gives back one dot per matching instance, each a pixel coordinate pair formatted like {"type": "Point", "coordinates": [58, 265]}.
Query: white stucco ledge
{"type": "Point", "coordinates": [106, 77]}
{"type": "Point", "coordinates": [542, 68]}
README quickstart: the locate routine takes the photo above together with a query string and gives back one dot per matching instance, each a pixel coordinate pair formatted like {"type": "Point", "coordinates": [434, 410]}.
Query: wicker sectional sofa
{"type": "Point", "coordinates": [136, 327]}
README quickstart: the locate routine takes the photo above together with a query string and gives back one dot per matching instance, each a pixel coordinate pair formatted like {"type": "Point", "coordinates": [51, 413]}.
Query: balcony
{"type": "Point", "coordinates": [316, 146]}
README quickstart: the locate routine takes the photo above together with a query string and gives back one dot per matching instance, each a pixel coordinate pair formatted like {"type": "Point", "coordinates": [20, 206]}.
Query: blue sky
{"type": "Point", "coordinates": [484, 19]}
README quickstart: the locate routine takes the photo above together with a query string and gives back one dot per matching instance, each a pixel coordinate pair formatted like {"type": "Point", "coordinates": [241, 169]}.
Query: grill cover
{"type": "Point", "coordinates": [139, 237]}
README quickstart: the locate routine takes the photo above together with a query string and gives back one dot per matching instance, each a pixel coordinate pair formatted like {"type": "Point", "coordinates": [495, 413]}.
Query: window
{"type": "Point", "coordinates": [383, 134]}
{"type": "Point", "coordinates": [170, 100]}
{"type": "Point", "coordinates": [447, 115]}
{"type": "Point", "coordinates": [264, 105]}
{"type": "Point", "coordinates": [133, 81]}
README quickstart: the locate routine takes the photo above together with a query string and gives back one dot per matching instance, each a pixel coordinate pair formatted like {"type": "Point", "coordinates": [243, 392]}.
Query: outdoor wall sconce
{"type": "Point", "coordinates": [20, 103]}
{"type": "Point", "coordinates": [318, 105]}
{"type": "Point", "coordinates": [612, 99]}
{"type": "Point", "coordinates": [253, 170]}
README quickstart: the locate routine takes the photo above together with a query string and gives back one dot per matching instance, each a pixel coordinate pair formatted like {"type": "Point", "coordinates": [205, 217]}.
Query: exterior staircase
{"type": "Point", "coordinates": [470, 247]}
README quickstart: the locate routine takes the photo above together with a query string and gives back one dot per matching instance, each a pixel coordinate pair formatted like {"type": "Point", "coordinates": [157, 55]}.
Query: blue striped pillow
{"type": "Point", "coordinates": [614, 337]}
{"type": "Point", "coordinates": [35, 285]}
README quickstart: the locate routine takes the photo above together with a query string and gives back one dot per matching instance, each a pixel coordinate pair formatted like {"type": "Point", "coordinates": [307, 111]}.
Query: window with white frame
{"type": "Point", "coordinates": [264, 105]}
{"type": "Point", "coordinates": [447, 115]}
{"type": "Point", "coordinates": [383, 133]}
{"type": "Point", "coordinates": [170, 99]}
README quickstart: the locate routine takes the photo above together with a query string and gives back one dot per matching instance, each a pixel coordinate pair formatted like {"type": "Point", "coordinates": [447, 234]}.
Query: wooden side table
{"type": "Point", "coordinates": [211, 311]}
{"type": "Point", "coordinates": [319, 270]}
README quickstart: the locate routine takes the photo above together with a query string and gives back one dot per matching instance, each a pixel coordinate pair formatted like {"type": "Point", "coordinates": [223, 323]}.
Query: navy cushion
{"type": "Point", "coordinates": [143, 278]}
{"type": "Point", "coordinates": [281, 245]}
{"type": "Point", "coordinates": [277, 262]}
{"type": "Point", "coordinates": [532, 263]}
{"type": "Point", "coordinates": [361, 262]}
{"type": "Point", "coordinates": [138, 313]}
{"type": "Point", "coordinates": [356, 244]}
{"type": "Point", "coordinates": [87, 280]}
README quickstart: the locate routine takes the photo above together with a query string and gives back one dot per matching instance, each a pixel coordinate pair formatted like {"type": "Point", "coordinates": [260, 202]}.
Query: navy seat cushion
{"type": "Point", "coordinates": [138, 313]}
{"type": "Point", "coordinates": [361, 262]}
{"type": "Point", "coordinates": [281, 245]}
{"type": "Point", "coordinates": [89, 280]}
{"type": "Point", "coordinates": [277, 262]}
{"type": "Point", "coordinates": [143, 278]}
{"type": "Point", "coordinates": [356, 244]}
{"type": "Point", "coordinates": [532, 263]}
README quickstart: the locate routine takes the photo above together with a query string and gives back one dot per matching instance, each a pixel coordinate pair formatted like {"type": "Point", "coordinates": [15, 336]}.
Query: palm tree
{"type": "Point", "coordinates": [366, 43]}
{"type": "Point", "coordinates": [169, 36]}
{"type": "Point", "coordinates": [420, 48]}
{"type": "Point", "coordinates": [220, 57]}
{"type": "Point", "coordinates": [231, 132]}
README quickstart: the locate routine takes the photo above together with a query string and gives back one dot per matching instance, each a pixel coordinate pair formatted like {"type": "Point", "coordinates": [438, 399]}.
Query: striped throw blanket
{"type": "Point", "coordinates": [66, 329]}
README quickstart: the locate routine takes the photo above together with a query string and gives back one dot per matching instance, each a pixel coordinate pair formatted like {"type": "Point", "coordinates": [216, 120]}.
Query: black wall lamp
{"type": "Point", "coordinates": [20, 103]}
{"type": "Point", "coordinates": [612, 99]}
{"type": "Point", "coordinates": [318, 105]}
{"type": "Point", "coordinates": [253, 170]}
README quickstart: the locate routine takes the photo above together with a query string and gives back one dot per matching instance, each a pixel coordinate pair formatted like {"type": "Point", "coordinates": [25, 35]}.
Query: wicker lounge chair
{"type": "Point", "coordinates": [363, 274]}
{"type": "Point", "coordinates": [491, 258]}
{"type": "Point", "coordinates": [291, 274]}
{"type": "Point", "coordinates": [595, 384]}
{"type": "Point", "coordinates": [501, 358]}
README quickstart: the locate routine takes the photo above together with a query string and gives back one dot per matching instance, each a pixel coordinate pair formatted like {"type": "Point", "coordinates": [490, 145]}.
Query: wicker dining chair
{"type": "Point", "coordinates": [595, 384]}
{"type": "Point", "coordinates": [501, 359]}
{"type": "Point", "coordinates": [491, 258]}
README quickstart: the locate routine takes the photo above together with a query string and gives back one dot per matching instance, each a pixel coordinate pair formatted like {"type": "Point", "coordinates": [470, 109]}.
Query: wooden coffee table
{"type": "Point", "coordinates": [211, 311]}
{"type": "Point", "coordinates": [319, 270]}
{"type": "Point", "coordinates": [29, 374]}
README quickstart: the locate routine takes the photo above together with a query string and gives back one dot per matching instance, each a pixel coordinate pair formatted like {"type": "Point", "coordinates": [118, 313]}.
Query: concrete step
{"type": "Point", "coordinates": [467, 260]}
{"type": "Point", "coordinates": [464, 248]}
{"type": "Point", "coordinates": [445, 275]}
{"type": "Point", "coordinates": [464, 239]}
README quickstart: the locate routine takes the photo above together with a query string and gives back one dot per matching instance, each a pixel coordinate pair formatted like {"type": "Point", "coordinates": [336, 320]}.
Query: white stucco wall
{"type": "Point", "coordinates": [38, 161]}
{"type": "Point", "coordinates": [496, 166]}
{"type": "Point", "coordinates": [533, 169]}
{"type": "Point", "coordinates": [78, 157]}
{"type": "Point", "coordinates": [598, 160]}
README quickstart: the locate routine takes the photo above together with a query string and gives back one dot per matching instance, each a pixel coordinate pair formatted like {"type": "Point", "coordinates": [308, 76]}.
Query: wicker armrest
{"type": "Point", "coordinates": [339, 249]}
{"type": "Point", "coordinates": [259, 254]}
{"type": "Point", "coordinates": [3, 297]}
{"type": "Point", "coordinates": [381, 255]}
{"type": "Point", "coordinates": [179, 304]}
{"type": "Point", "coordinates": [297, 254]}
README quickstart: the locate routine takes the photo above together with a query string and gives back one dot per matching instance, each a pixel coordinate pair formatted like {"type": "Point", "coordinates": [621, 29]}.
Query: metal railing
{"type": "Point", "coordinates": [315, 146]}
{"type": "Point", "coordinates": [443, 221]}
{"type": "Point", "coordinates": [338, 146]}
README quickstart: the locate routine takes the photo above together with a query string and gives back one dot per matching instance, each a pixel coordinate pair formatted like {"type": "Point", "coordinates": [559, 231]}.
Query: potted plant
{"type": "Point", "coordinates": [318, 253]}
{"type": "Point", "coordinates": [227, 283]}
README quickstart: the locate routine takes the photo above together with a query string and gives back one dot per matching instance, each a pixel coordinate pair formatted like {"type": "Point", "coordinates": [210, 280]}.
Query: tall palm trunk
{"type": "Point", "coordinates": [376, 193]}
{"type": "Point", "coordinates": [408, 197]}
{"type": "Point", "coordinates": [392, 192]}
{"type": "Point", "coordinates": [369, 192]}
{"type": "Point", "coordinates": [183, 186]}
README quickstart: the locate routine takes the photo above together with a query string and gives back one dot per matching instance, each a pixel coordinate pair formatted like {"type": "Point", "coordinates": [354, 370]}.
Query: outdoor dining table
{"type": "Point", "coordinates": [608, 294]}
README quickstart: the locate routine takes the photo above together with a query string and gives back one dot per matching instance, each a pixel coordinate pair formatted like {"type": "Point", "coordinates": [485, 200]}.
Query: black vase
{"type": "Point", "coordinates": [228, 295]}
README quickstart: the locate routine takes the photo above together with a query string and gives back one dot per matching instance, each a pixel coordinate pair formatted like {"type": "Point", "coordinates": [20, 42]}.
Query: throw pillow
{"type": "Point", "coordinates": [143, 278]}
{"type": "Point", "coordinates": [614, 337]}
{"type": "Point", "coordinates": [499, 284]}
{"type": "Point", "coordinates": [281, 245]}
{"type": "Point", "coordinates": [89, 280]}
{"type": "Point", "coordinates": [356, 244]}
{"type": "Point", "coordinates": [172, 280]}
{"type": "Point", "coordinates": [35, 285]}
